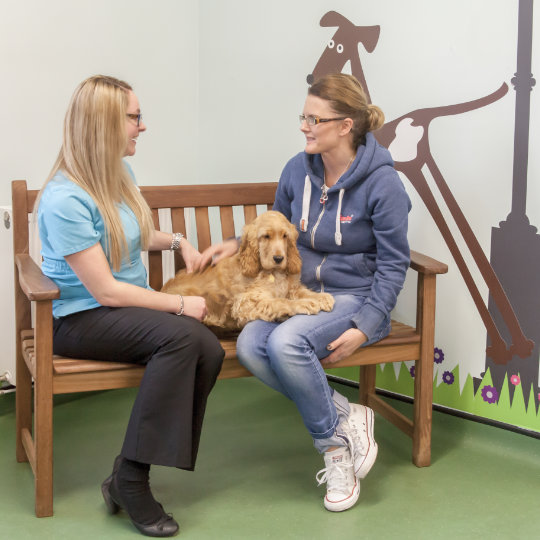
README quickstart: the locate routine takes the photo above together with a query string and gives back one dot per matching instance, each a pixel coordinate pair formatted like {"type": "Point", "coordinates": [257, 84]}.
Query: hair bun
{"type": "Point", "coordinates": [376, 117]}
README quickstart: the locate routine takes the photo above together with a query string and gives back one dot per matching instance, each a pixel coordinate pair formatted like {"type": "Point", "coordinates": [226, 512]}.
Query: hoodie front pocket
{"type": "Point", "coordinates": [364, 265]}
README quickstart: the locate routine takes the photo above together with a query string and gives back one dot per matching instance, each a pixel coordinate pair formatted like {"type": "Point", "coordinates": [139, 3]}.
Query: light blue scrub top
{"type": "Point", "coordinates": [69, 222]}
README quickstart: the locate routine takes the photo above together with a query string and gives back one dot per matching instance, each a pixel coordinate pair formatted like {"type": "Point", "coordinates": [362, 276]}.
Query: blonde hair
{"type": "Point", "coordinates": [94, 142]}
{"type": "Point", "coordinates": [347, 98]}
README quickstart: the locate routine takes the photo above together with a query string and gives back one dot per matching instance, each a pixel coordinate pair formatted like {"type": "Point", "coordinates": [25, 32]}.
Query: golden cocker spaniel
{"type": "Point", "coordinates": [261, 281]}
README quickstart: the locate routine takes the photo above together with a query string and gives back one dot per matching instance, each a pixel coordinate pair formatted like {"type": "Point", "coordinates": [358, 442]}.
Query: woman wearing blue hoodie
{"type": "Point", "coordinates": [350, 207]}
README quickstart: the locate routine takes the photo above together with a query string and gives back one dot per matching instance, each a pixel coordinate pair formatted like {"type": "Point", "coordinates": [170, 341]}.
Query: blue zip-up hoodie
{"type": "Point", "coordinates": [356, 242]}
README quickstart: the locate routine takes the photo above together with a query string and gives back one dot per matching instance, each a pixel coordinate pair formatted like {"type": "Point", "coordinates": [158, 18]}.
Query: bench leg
{"type": "Point", "coordinates": [43, 412]}
{"type": "Point", "coordinates": [423, 399]}
{"type": "Point", "coordinates": [23, 407]}
{"type": "Point", "coordinates": [367, 383]}
{"type": "Point", "coordinates": [43, 440]}
{"type": "Point", "coordinates": [423, 381]}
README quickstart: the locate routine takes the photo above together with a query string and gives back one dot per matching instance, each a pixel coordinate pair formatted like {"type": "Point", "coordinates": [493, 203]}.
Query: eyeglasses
{"type": "Point", "coordinates": [136, 117]}
{"type": "Point", "coordinates": [313, 120]}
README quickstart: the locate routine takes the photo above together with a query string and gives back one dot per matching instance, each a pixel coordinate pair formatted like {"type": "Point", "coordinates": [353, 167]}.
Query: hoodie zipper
{"type": "Point", "coordinates": [313, 231]}
{"type": "Point", "coordinates": [318, 272]}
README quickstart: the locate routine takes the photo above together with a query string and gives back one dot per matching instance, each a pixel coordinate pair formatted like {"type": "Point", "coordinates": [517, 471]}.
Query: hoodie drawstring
{"type": "Point", "coordinates": [305, 204]}
{"type": "Point", "coordinates": [337, 234]}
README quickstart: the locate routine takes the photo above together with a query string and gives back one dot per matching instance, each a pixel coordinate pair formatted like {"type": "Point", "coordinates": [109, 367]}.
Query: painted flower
{"type": "Point", "coordinates": [412, 371]}
{"type": "Point", "coordinates": [448, 377]}
{"type": "Point", "coordinates": [438, 355]}
{"type": "Point", "coordinates": [515, 380]}
{"type": "Point", "coordinates": [490, 394]}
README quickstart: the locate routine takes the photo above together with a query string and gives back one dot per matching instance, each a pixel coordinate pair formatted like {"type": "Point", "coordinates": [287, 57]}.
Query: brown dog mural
{"type": "Point", "coordinates": [407, 138]}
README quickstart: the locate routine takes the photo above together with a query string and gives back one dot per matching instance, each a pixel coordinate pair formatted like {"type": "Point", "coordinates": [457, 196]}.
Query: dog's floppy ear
{"type": "Point", "coordinates": [294, 262]}
{"type": "Point", "coordinates": [249, 252]}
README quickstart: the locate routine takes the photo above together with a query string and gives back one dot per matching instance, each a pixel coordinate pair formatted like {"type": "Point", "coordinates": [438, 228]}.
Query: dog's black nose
{"type": "Point", "coordinates": [277, 259]}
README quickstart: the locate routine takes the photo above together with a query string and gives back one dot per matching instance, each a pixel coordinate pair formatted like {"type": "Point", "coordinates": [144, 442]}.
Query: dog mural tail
{"type": "Point", "coordinates": [498, 349]}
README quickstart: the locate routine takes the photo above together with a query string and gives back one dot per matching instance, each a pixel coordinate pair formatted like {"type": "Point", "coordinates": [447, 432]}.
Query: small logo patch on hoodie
{"type": "Point", "coordinates": [346, 219]}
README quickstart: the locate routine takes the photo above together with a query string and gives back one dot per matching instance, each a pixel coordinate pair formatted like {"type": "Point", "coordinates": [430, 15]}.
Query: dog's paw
{"type": "Point", "coordinates": [326, 302]}
{"type": "Point", "coordinates": [306, 306]}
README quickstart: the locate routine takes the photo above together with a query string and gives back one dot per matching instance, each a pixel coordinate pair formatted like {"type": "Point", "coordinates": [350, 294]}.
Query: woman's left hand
{"type": "Point", "coordinates": [217, 252]}
{"type": "Point", "coordinates": [191, 256]}
{"type": "Point", "coordinates": [344, 345]}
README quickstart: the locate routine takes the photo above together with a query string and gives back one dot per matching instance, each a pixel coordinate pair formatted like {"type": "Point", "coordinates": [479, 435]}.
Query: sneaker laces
{"type": "Point", "coordinates": [357, 442]}
{"type": "Point", "coordinates": [335, 475]}
{"type": "Point", "coordinates": [351, 434]}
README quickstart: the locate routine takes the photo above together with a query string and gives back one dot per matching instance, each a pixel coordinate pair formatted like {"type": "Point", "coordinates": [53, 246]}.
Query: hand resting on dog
{"type": "Point", "coordinates": [261, 281]}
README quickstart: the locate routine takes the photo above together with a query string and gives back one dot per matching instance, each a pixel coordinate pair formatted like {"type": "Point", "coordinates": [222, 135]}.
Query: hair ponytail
{"type": "Point", "coordinates": [347, 98]}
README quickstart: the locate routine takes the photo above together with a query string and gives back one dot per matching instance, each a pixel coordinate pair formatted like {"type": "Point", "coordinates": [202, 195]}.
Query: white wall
{"type": "Point", "coordinates": [47, 48]}
{"type": "Point", "coordinates": [221, 83]}
{"type": "Point", "coordinates": [254, 58]}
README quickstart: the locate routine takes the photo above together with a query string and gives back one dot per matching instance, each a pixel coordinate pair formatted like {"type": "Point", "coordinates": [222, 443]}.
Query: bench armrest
{"type": "Point", "coordinates": [426, 265]}
{"type": "Point", "coordinates": [35, 285]}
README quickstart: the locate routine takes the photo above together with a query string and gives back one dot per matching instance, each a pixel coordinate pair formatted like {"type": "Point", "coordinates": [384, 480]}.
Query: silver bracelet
{"type": "Point", "coordinates": [181, 310]}
{"type": "Point", "coordinates": [176, 237]}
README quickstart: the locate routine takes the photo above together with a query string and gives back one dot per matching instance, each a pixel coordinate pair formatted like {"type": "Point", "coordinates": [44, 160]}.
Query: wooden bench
{"type": "Point", "coordinates": [56, 375]}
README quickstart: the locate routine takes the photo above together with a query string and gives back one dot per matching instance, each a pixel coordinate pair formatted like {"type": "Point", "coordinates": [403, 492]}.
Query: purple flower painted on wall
{"type": "Point", "coordinates": [412, 371]}
{"type": "Point", "coordinates": [490, 394]}
{"type": "Point", "coordinates": [438, 355]}
{"type": "Point", "coordinates": [448, 377]}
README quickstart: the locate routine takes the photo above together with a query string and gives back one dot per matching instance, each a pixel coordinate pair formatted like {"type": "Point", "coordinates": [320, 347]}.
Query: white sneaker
{"type": "Point", "coordinates": [342, 486]}
{"type": "Point", "coordinates": [358, 428]}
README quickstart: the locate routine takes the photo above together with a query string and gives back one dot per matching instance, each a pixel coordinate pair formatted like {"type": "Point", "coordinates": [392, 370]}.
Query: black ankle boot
{"type": "Point", "coordinates": [137, 495]}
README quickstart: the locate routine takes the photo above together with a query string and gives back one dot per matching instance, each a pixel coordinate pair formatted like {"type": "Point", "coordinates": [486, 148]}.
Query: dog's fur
{"type": "Point", "coordinates": [262, 281]}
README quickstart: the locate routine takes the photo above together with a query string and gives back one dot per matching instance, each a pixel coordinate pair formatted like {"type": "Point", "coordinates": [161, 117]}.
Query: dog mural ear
{"type": "Point", "coordinates": [249, 252]}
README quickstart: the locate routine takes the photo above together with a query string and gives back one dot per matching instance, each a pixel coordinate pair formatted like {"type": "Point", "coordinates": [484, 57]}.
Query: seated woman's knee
{"type": "Point", "coordinates": [284, 343]}
{"type": "Point", "coordinates": [245, 347]}
{"type": "Point", "coordinates": [209, 346]}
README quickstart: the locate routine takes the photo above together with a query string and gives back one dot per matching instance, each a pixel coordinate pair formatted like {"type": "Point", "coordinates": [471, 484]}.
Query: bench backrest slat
{"type": "Point", "coordinates": [155, 260]}
{"type": "Point", "coordinates": [250, 212]}
{"type": "Point", "coordinates": [227, 222]}
{"type": "Point", "coordinates": [209, 195]}
{"type": "Point", "coordinates": [202, 221]}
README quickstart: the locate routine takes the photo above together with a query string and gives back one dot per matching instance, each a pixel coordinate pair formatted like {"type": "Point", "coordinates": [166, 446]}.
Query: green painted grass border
{"type": "Point", "coordinates": [484, 403]}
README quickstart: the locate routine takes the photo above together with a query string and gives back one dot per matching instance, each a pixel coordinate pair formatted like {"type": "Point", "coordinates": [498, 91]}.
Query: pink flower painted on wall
{"type": "Point", "coordinates": [515, 380]}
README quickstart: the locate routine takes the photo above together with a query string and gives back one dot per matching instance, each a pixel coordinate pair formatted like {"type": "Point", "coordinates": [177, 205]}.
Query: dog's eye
{"type": "Point", "coordinates": [266, 236]}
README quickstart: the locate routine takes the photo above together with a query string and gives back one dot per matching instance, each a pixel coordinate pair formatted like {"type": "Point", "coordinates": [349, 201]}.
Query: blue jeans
{"type": "Point", "coordinates": [286, 356]}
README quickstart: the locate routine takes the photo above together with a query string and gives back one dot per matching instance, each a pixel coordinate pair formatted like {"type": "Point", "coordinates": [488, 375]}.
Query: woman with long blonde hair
{"type": "Point", "coordinates": [93, 225]}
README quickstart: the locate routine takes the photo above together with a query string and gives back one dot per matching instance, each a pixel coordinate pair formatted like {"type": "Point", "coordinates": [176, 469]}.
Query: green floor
{"type": "Point", "coordinates": [255, 477]}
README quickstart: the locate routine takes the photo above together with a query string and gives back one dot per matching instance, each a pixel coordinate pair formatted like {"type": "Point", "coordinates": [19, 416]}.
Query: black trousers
{"type": "Point", "coordinates": [182, 359]}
